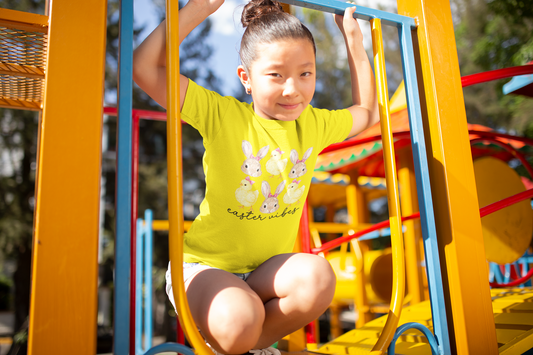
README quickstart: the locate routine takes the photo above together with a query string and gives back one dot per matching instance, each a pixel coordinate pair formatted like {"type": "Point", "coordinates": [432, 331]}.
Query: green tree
{"type": "Point", "coordinates": [333, 88]}
{"type": "Point", "coordinates": [494, 34]}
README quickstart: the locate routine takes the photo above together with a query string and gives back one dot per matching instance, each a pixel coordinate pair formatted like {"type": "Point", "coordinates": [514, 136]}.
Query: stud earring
{"type": "Point", "coordinates": [248, 90]}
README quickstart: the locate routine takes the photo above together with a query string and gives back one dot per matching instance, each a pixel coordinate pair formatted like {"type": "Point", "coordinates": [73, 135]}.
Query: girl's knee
{"type": "Point", "coordinates": [317, 280]}
{"type": "Point", "coordinates": [237, 326]}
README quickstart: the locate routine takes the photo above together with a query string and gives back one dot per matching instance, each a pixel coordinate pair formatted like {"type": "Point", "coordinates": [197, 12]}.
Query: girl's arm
{"type": "Point", "coordinates": [149, 58]}
{"type": "Point", "coordinates": [365, 104]}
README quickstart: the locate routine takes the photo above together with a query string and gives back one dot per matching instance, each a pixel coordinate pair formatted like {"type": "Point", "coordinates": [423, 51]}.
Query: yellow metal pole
{"type": "Point", "coordinates": [398, 272]}
{"type": "Point", "coordinates": [63, 304]}
{"type": "Point", "coordinates": [413, 233]}
{"type": "Point", "coordinates": [466, 289]}
{"type": "Point", "coordinates": [175, 181]}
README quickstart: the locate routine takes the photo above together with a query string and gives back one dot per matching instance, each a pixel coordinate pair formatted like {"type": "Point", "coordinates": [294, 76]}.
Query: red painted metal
{"type": "Point", "coordinates": [353, 142]}
{"type": "Point", "coordinates": [497, 74]}
{"type": "Point", "coordinates": [310, 333]}
{"type": "Point", "coordinates": [305, 235]}
{"type": "Point", "coordinates": [513, 283]}
{"type": "Point", "coordinates": [180, 337]}
{"type": "Point", "coordinates": [508, 148]}
{"type": "Point", "coordinates": [484, 211]}
{"type": "Point", "coordinates": [492, 134]}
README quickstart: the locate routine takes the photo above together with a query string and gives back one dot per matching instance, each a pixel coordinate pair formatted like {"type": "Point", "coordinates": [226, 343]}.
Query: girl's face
{"type": "Point", "coordinates": [282, 79]}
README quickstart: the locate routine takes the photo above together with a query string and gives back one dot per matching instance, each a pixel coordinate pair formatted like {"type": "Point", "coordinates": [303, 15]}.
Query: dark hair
{"type": "Point", "coordinates": [266, 22]}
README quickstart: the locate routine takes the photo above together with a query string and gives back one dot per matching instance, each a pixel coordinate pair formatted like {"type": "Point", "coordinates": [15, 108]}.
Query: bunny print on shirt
{"type": "Point", "coordinates": [252, 166]}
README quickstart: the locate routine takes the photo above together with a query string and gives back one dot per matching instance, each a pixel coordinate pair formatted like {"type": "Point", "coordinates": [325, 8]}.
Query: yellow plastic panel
{"type": "Point", "coordinates": [507, 233]}
{"type": "Point", "coordinates": [65, 250]}
{"type": "Point", "coordinates": [463, 261]}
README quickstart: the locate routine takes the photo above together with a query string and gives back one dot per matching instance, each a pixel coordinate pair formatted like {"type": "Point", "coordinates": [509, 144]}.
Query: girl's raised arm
{"type": "Point", "coordinates": [149, 58]}
{"type": "Point", "coordinates": [365, 104]}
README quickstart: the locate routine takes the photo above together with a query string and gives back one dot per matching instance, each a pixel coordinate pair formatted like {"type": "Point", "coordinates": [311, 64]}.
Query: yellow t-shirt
{"type": "Point", "coordinates": [257, 173]}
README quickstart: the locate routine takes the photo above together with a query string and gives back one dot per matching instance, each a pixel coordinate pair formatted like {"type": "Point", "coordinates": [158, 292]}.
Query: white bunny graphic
{"type": "Point", "coordinates": [252, 165]}
{"type": "Point", "coordinates": [299, 168]}
{"type": "Point", "coordinates": [271, 203]}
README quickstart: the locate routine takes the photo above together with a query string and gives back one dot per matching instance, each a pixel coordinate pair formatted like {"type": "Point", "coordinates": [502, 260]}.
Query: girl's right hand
{"type": "Point", "coordinates": [207, 6]}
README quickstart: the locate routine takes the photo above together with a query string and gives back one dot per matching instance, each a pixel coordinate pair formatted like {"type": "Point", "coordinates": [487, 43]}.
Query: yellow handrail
{"type": "Point", "coordinates": [398, 283]}
{"type": "Point", "coordinates": [175, 181]}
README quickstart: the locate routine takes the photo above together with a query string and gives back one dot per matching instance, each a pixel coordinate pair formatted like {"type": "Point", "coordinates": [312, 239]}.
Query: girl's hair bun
{"type": "Point", "coordinates": [258, 8]}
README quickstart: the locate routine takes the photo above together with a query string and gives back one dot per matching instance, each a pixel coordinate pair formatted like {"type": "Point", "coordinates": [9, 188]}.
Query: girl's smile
{"type": "Point", "coordinates": [282, 79]}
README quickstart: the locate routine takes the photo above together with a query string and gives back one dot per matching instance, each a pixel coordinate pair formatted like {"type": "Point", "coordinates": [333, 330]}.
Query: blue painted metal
{"type": "Point", "coordinates": [143, 291]}
{"type": "Point", "coordinates": [402, 328]}
{"type": "Point", "coordinates": [502, 277]}
{"type": "Point", "coordinates": [138, 288]}
{"type": "Point", "coordinates": [123, 189]}
{"type": "Point", "coordinates": [170, 347]}
{"type": "Point", "coordinates": [148, 248]}
{"type": "Point", "coordinates": [405, 26]}
{"type": "Point", "coordinates": [362, 13]}
{"type": "Point", "coordinates": [425, 200]}
{"type": "Point", "coordinates": [517, 82]}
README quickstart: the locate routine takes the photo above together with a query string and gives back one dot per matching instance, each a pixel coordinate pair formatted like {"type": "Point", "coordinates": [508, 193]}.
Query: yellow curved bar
{"type": "Point", "coordinates": [398, 284]}
{"type": "Point", "coordinates": [175, 182]}
{"type": "Point", "coordinates": [159, 225]}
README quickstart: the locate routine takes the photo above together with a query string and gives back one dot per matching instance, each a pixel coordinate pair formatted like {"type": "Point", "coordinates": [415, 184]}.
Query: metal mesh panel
{"type": "Point", "coordinates": [22, 62]}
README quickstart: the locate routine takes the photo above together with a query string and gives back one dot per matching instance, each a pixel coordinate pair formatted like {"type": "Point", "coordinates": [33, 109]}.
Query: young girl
{"type": "Point", "coordinates": [245, 288]}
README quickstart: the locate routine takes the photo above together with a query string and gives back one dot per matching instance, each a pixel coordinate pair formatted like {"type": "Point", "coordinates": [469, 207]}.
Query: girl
{"type": "Point", "coordinates": [245, 288]}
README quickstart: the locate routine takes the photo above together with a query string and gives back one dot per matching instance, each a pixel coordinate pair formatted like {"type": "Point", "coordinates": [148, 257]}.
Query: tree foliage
{"type": "Point", "coordinates": [494, 34]}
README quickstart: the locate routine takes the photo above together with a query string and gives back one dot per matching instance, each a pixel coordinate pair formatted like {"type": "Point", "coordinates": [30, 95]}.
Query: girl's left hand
{"type": "Point", "coordinates": [349, 25]}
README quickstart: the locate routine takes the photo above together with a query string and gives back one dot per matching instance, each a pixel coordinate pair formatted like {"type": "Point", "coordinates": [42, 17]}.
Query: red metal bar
{"type": "Point", "coordinates": [180, 337]}
{"type": "Point", "coordinates": [516, 282]}
{"type": "Point", "coordinates": [508, 148]}
{"type": "Point", "coordinates": [305, 235]}
{"type": "Point", "coordinates": [497, 74]}
{"type": "Point", "coordinates": [354, 142]}
{"type": "Point", "coordinates": [491, 134]}
{"type": "Point", "coordinates": [144, 114]}
{"type": "Point", "coordinates": [133, 221]}
{"type": "Point", "coordinates": [310, 333]}
{"type": "Point", "coordinates": [484, 211]}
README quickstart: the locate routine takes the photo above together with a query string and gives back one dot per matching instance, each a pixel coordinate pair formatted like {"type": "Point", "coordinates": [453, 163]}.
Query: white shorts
{"type": "Point", "coordinates": [189, 270]}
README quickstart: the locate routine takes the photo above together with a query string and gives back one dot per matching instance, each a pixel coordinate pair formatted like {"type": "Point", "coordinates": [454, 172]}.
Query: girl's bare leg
{"type": "Point", "coordinates": [295, 289]}
{"type": "Point", "coordinates": [228, 312]}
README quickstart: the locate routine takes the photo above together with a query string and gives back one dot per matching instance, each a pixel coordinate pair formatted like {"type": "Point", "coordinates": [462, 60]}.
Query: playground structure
{"type": "Point", "coordinates": [65, 273]}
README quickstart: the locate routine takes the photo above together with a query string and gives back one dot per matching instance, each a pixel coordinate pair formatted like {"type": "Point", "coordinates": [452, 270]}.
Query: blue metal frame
{"type": "Point", "coordinates": [138, 287]}
{"type": "Point", "coordinates": [402, 328]}
{"type": "Point", "coordinates": [425, 199]}
{"type": "Point", "coordinates": [518, 82]}
{"type": "Point", "coordinates": [144, 263]}
{"type": "Point", "coordinates": [405, 27]}
{"type": "Point", "coordinates": [170, 347]}
{"type": "Point", "coordinates": [123, 181]}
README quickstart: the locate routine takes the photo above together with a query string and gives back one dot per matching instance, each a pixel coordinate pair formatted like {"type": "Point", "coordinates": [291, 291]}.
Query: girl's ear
{"type": "Point", "coordinates": [243, 76]}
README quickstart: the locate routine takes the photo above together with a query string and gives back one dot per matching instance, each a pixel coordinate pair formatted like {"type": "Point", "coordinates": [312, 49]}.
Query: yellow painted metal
{"type": "Point", "coordinates": [24, 38]}
{"type": "Point", "coordinates": [159, 225]}
{"type": "Point", "coordinates": [23, 20]}
{"type": "Point", "coordinates": [398, 287]}
{"type": "Point", "coordinates": [66, 223]}
{"type": "Point", "coordinates": [463, 262]}
{"type": "Point", "coordinates": [296, 340]}
{"type": "Point", "coordinates": [413, 234]}
{"type": "Point", "coordinates": [175, 180]}
{"type": "Point", "coordinates": [512, 315]}
{"type": "Point", "coordinates": [507, 233]}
